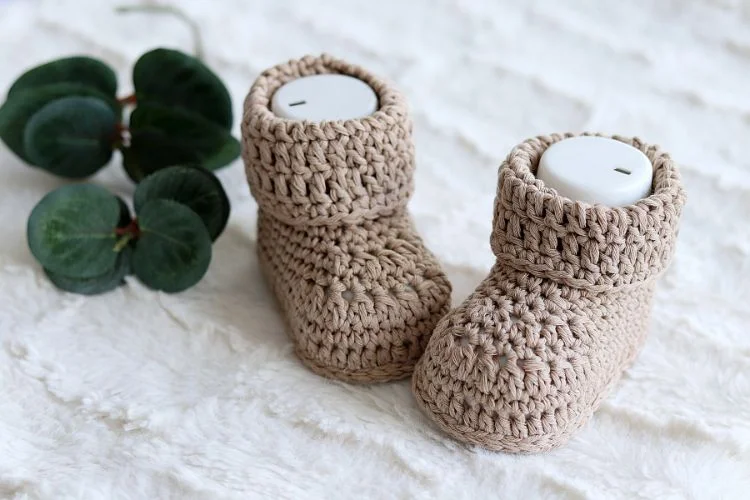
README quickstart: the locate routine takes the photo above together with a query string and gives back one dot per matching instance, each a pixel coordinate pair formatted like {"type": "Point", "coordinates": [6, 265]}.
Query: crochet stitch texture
{"type": "Point", "coordinates": [359, 290]}
{"type": "Point", "coordinates": [528, 357]}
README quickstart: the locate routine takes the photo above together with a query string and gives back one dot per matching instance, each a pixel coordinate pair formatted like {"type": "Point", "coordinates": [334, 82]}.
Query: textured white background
{"type": "Point", "coordinates": [137, 394]}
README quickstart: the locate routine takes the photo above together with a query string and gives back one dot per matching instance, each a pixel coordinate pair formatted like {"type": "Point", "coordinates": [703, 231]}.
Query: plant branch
{"type": "Point", "coordinates": [130, 232]}
{"type": "Point", "coordinates": [131, 99]}
{"type": "Point", "coordinates": [122, 242]}
{"type": "Point", "coordinates": [173, 11]}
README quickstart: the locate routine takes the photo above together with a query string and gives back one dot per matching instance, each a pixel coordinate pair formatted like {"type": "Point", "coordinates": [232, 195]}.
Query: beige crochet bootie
{"type": "Point", "coordinates": [360, 291]}
{"type": "Point", "coordinates": [528, 357]}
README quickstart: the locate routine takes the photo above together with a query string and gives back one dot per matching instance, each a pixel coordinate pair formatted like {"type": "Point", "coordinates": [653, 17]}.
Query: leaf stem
{"type": "Point", "coordinates": [123, 242]}
{"type": "Point", "coordinates": [118, 140]}
{"type": "Point", "coordinates": [173, 11]}
{"type": "Point", "coordinates": [131, 99]}
{"type": "Point", "coordinates": [127, 233]}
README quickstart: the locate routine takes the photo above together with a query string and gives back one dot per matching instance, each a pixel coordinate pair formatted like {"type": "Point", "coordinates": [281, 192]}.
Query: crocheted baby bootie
{"type": "Point", "coordinates": [359, 290]}
{"type": "Point", "coordinates": [528, 357]}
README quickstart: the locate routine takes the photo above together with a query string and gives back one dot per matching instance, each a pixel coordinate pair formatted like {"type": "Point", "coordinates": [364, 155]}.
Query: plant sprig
{"type": "Point", "coordinates": [87, 242]}
{"type": "Point", "coordinates": [64, 116]}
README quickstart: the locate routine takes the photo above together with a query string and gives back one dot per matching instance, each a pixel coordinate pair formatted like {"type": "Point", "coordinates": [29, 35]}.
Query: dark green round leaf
{"type": "Point", "coordinates": [71, 137]}
{"type": "Point", "coordinates": [150, 152]}
{"type": "Point", "coordinates": [194, 187]}
{"type": "Point", "coordinates": [174, 248]}
{"type": "Point", "coordinates": [79, 70]}
{"type": "Point", "coordinates": [162, 137]}
{"type": "Point", "coordinates": [18, 110]}
{"type": "Point", "coordinates": [172, 78]}
{"type": "Point", "coordinates": [72, 231]}
{"type": "Point", "coordinates": [98, 284]}
{"type": "Point", "coordinates": [230, 150]}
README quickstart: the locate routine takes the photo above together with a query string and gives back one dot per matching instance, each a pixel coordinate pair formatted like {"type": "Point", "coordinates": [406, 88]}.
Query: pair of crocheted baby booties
{"type": "Point", "coordinates": [526, 359]}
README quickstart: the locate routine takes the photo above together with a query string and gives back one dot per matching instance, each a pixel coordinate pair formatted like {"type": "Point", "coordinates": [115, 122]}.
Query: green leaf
{"type": "Point", "coordinates": [230, 150]}
{"type": "Point", "coordinates": [162, 137]}
{"type": "Point", "coordinates": [72, 136]}
{"type": "Point", "coordinates": [71, 231]}
{"type": "Point", "coordinates": [98, 284]}
{"type": "Point", "coordinates": [172, 78]}
{"type": "Point", "coordinates": [77, 70]}
{"type": "Point", "coordinates": [149, 152]}
{"type": "Point", "coordinates": [174, 248]}
{"type": "Point", "coordinates": [18, 110]}
{"type": "Point", "coordinates": [194, 187]}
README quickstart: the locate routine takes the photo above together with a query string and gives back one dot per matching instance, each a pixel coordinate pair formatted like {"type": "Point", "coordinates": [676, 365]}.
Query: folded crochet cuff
{"type": "Point", "coordinates": [322, 173]}
{"type": "Point", "coordinates": [592, 247]}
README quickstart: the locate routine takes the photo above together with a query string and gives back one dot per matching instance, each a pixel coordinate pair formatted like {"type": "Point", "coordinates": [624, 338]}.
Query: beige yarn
{"type": "Point", "coordinates": [527, 358]}
{"type": "Point", "coordinates": [360, 291]}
